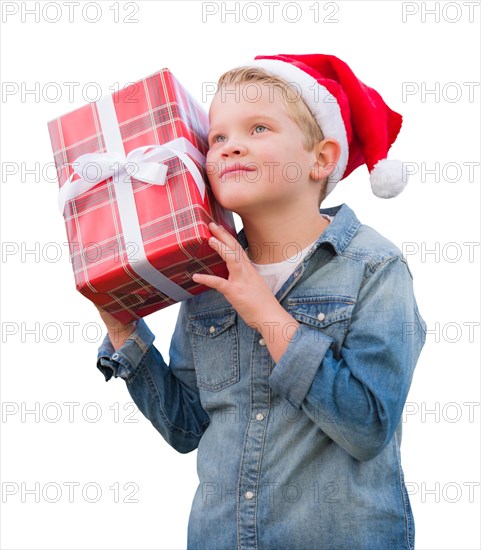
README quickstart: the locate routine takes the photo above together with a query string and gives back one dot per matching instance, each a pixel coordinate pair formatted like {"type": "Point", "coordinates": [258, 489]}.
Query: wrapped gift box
{"type": "Point", "coordinates": [135, 196]}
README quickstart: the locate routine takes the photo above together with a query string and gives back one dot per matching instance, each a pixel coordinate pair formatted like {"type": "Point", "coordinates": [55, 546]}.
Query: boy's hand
{"type": "Point", "coordinates": [118, 332]}
{"type": "Point", "coordinates": [245, 289]}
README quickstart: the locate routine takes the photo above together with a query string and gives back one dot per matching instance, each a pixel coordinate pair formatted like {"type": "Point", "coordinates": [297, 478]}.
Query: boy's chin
{"type": "Point", "coordinates": [228, 202]}
{"type": "Point", "coordinates": [241, 204]}
{"type": "Point", "coordinates": [233, 206]}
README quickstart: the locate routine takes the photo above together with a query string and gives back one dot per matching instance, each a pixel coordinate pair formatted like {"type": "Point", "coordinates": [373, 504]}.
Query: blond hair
{"type": "Point", "coordinates": [297, 109]}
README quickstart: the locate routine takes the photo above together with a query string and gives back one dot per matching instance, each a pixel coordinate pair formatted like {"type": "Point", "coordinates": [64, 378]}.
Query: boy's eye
{"type": "Point", "coordinates": [219, 138]}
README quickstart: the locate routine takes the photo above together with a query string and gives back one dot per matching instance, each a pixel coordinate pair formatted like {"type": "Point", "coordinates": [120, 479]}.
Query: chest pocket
{"type": "Point", "coordinates": [330, 314]}
{"type": "Point", "coordinates": [216, 348]}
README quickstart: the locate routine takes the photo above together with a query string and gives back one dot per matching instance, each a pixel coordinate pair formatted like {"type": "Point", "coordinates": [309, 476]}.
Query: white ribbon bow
{"type": "Point", "coordinates": [142, 166]}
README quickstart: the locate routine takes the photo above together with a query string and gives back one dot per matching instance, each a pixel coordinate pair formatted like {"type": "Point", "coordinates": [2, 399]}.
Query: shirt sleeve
{"type": "Point", "coordinates": [167, 395]}
{"type": "Point", "coordinates": [357, 399]}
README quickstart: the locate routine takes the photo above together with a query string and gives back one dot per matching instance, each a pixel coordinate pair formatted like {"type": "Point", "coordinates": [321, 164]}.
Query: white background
{"type": "Point", "coordinates": [440, 449]}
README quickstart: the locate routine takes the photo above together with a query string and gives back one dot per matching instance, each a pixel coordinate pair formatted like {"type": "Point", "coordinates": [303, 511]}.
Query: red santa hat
{"type": "Point", "coordinates": [347, 110]}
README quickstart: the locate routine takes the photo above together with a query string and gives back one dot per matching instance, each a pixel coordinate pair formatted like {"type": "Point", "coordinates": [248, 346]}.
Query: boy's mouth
{"type": "Point", "coordinates": [236, 168]}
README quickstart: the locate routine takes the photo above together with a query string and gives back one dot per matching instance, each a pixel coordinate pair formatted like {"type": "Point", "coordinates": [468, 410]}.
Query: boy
{"type": "Point", "coordinates": [291, 375]}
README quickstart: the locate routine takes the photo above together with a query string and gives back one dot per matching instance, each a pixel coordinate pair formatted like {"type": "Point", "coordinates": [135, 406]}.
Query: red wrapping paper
{"type": "Point", "coordinates": [173, 217]}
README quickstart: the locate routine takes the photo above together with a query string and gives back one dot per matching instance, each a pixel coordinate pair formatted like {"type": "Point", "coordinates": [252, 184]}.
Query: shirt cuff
{"type": "Point", "coordinates": [123, 362]}
{"type": "Point", "coordinates": [294, 373]}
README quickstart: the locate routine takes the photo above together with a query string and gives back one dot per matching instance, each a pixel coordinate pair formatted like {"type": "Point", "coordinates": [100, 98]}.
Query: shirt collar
{"type": "Point", "coordinates": [338, 233]}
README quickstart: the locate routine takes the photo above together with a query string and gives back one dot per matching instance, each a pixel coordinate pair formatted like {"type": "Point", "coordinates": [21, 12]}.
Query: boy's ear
{"type": "Point", "coordinates": [327, 154]}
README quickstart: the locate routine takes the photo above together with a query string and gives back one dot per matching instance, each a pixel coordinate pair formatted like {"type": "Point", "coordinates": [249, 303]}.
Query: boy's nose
{"type": "Point", "coordinates": [232, 148]}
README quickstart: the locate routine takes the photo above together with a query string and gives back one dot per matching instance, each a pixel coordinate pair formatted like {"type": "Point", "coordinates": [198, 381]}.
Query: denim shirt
{"type": "Point", "coordinates": [304, 453]}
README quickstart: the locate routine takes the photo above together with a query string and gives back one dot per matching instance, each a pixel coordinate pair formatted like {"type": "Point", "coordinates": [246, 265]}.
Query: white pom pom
{"type": "Point", "coordinates": [388, 178]}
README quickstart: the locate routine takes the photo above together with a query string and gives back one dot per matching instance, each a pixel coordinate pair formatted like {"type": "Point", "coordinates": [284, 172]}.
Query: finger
{"type": "Point", "coordinates": [222, 234]}
{"type": "Point", "coordinates": [231, 256]}
{"type": "Point", "coordinates": [212, 281]}
{"type": "Point", "coordinates": [228, 246]}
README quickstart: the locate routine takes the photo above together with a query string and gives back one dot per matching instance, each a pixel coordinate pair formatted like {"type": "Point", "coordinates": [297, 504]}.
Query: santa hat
{"type": "Point", "coordinates": [347, 110]}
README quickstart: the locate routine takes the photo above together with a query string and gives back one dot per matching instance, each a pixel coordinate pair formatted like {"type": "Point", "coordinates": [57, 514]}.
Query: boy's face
{"type": "Point", "coordinates": [251, 132]}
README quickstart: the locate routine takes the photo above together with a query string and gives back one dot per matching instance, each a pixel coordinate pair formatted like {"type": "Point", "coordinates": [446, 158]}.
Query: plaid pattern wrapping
{"type": "Point", "coordinates": [173, 217]}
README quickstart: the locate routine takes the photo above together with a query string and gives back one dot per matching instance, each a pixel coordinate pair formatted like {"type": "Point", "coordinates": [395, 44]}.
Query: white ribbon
{"type": "Point", "coordinates": [145, 167]}
{"type": "Point", "coordinates": [148, 168]}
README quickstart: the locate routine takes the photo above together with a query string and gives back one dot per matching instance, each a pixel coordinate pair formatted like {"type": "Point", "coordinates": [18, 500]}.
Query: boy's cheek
{"type": "Point", "coordinates": [214, 185]}
{"type": "Point", "coordinates": [212, 172]}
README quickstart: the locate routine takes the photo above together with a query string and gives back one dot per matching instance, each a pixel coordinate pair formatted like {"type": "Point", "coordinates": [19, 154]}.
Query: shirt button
{"type": "Point", "coordinates": [212, 329]}
{"type": "Point", "coordinates": [249, 495]}
{"type": "Point", "coordinates": [115, 356]}
{"type": "Point", "coordinates": [259, 416]}
{"type": "Point", "coordinates": [321, 317]}
{"type": "Point", "coordinates": [262, 342]}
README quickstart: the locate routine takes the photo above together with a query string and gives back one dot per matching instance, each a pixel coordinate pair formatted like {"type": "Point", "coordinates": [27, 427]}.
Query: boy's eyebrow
{"type": "Point", "coordinates": [247, 119]}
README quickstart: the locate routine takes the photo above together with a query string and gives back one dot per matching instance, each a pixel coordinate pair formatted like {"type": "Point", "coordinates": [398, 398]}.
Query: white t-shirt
{"type": "Point", "coordinates": [275, 275]}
